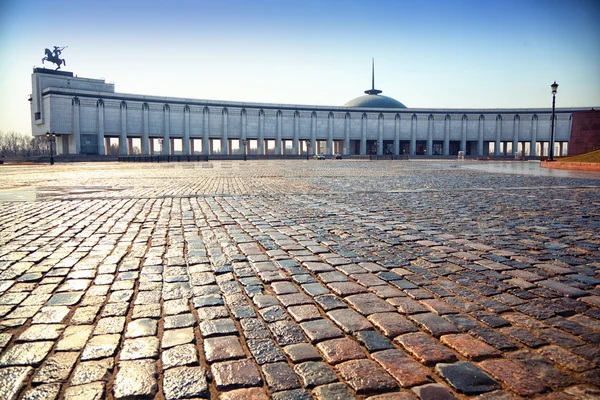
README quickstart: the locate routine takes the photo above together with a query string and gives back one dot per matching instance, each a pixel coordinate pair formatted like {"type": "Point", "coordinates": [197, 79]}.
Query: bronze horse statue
{"type": "Point", "coordinates": [53, 57]}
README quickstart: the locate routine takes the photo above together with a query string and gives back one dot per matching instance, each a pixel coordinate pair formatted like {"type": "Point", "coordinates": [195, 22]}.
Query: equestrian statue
{"type": "Point", "coordinates": [53, 56]}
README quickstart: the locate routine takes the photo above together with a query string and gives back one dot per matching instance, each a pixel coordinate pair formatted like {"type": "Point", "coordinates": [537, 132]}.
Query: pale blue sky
{"type": "Point", "coordinates": [438, 54]}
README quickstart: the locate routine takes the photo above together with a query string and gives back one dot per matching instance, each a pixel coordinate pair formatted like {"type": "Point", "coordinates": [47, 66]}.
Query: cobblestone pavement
{"type": "Point", "coordinates": [298, 280]}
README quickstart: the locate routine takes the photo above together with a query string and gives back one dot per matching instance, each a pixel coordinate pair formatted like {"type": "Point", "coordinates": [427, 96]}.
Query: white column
{"type": "Point", "coordinates": [330, 122]}
{"type": "Point", "coordinates": [123, 136]}
{"type": "Point", "coordinates": [76, 124]}
{"type": "Point", "coordinates": [145, 122]}
{"type": "Point", "coordinates": [224, 133]}
{"type": "Point", "coordinates": [278, 127]}
{"type": "Point", "coordinates": [380, 134]}
{"type": "Point", "coordinates": [313, 132]}
{"type": "Point", "coordinates": [516, 126]}
{"type": "Point", "coordinates": [100, 108]}
{"type": "Point", "coordinates": [430, 134]}
{"type": "Point", "coordinates": [261, 132]}
{"type": "Point", "coordinates": [533, 142]}
{"type": "Point", "coordinates": [447, 121]}
{"type": "Point", "coordinates": [347, 122]}
{"type": "Point", "coordinates": [186, 130]}
{"type": "Point", "coordinates": [167, 130]}
{"type": "Point", "coordinates": [463, 137]}
{"type": "Point", "coordinates": [413, 134]}
{"type": "Point", "coordinates": [497, 145]}
{"type": "Point", "coordinates": [205, 131]}
{"type": "Point", "coordinates": [480, 135]}
{"type": "Point", "coordinates": [363, 135]}
{"type": "Point", "coordinates": [397, 135]}
{"type": "Point", "coordinates": [297, 150]}
{"type": "Point", "coordinates": [244, 123]}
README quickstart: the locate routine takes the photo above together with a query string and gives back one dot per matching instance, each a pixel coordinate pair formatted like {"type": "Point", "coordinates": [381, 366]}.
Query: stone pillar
{"type": "Point", "coordinates": [380, 135]}
{"type": "Point", "coordinates": [463, 136]}
{"type": "Point", "coordinates": [533, 141]}
{"type": "Point", "coordinates": [429, 147]}
{"type": "Point", "coordinates": [297, 149]}
{"type": "Point", "coordinates": [76, 124]}
{"type": "Point", "coordinates": [123, 136]}
{"type": "Point", "coordinates": [244, 124]}
{"type": "Point", "coordinates": [397, 135]}
{"type": "Point", "coordinates": [497, 149]}
{"type": "Point", "coordinates": [186, 131]}
{"type": "Point", "coordinates": [225, 133]}
{"type": "Point", "coordinates": [516, 126]}
{"type": "Point", "coordinates": [480, 135]}
{"type": "Point", "coordinates": [413, 134]}
{"type": "Point", "coordinates": [261, 132]}
{"type": "Point", "coordinates": [313, 132]}
{"type": "Point", "coordinates": [167, 130]}
{"type": "Point", "coordinates": [330, 122]}
{"type": "Point", "coordinates": [100, 108]}
{"type": "Point", "coordinates": [278, 133]}
{"type": "Point", "coordinates": [151, 147]}
{"type": "Point", "coordinates": [145, 126]}
{"type": "Point", "coordinates": [347, 122]}
{"type": "Point", "coordinates": [447, 122]}
{"type": "Point", "coordinates": [363, 135]}
{"type": "Point", "coordinates": [205, 131]}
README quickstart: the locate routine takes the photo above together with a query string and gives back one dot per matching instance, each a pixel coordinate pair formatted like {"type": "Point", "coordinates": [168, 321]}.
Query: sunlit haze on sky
{"type": "Point", "coordinates": [428, 54]}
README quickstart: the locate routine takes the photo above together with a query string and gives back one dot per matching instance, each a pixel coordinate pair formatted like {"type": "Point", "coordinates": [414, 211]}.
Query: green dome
{"type": "Point", "coordinates": [374, 101]}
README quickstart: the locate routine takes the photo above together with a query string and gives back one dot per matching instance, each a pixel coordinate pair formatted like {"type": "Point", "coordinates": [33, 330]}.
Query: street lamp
{"type": "Point", "coordinates": [374, 148]}
{"type": "Point", "coordinates": [307, 148]}
{"type": "Point", "coordinates": [554, 88]}
{"type": "Point", "coordinates": [244, 141]}
{"type": "Point", "coordinates": [52, 140]}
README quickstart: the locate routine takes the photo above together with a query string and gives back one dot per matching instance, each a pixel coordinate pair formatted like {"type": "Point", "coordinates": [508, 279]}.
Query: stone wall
{"type": "Point", "coordinates": [585, 132]}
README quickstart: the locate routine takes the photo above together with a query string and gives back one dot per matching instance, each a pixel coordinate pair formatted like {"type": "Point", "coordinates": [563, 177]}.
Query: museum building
{"type": "Point", "coordinates": [89, 117]}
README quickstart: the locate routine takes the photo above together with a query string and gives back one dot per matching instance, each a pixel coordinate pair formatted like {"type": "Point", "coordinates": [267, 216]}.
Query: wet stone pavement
{"type": "Point", "coordinates": [298, 280]}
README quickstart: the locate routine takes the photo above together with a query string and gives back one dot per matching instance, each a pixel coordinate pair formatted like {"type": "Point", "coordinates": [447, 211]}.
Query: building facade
{"type": "Point", "coordinates": [89, 117]}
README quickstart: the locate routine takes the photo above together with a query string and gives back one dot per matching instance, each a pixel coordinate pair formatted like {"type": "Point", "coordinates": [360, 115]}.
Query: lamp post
{"type": "Point", "coordinates": [554, 88]}
{"type": "Point", "coordinates": [307, 148]}
{"type": "Point", "coordinates": [373, 148]}
{"type": "Point", "coordinates": [52, 140]}
{"type": "Point", "coordinates": [244, 141]}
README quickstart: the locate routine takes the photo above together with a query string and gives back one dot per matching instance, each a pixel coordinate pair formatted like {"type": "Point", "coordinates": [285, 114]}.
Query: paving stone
{"type": "Point", "coordinates": [466, 378]}
{"type": "Point", "coordinates": [141, 327]}
{"type": "Point", "coordinates": [349, 320]}
{"type": "Point", "coordinates": [264, 351]}
{"type": "Point", "coordinates": [301, 352]}
{"type": "Point", "coordinates": [286, 332]}
{"type": "Point", "coordinates": [433, 391]}
{"type": "Point", "coordinates": [368, 304]}
{"type": "Point", "coordinates": [178, 356]}
{"type": "Point", "coordinates": [315, 373]}
{"type": "Point", "coordinates": [366, 376]}
{"type": "Point", "coordinates": [234, 374]}
{"type": "Point", "coordinates": [542, 368]}
{"type": "Point", "coordinates": [92, 371]}
{"type": "Point", "coordinates": [304, 312]}
{"type": "Point", "coordinates": [330, 302]}
{"type": "Point", "coordinates": [83, 315]}
{"type": "Point", "coordinates": [346, 288]}
{"type": "Point", "coordinates": [373, 341]}
{"type": "Point", "coordinates": [185, 382]}
{"type": "Point", "coordinates": [403, 368]}
{"type": "Point", "coordinates": [244, 394]}
{"type": "Point", "coordinates": [91, 391]}
{"type": "Point", "coordinates": [110, 325]}
{"type": "Point", "coordinates": [393, 396]}
{"type": "Point", "coordinates": [100, 347]}
{"type": "Point", "coordinates": [136, 378]}
{"type": "Point", "coordinates": [523, 336]}
{"type": "Point", "coordinates": [218, 327]}
{"type": "Point", "coordinates": [566, 359]}
{"type": "Point", "coordinates": [273, 313]}
{"type": "Point", "coordinates": [56, 368]}
{"type": "Point", "coordinates": [29, 353]}
{"type": "Point", "coordinates": [65, 299]}
{"type": "Point", "coordinates": [280, 376]}
{"type": "Point", "coordinates": [42, 392]}
{"type": "Point", "coordinates": [320, 329]}
{"type": "Point", "coordinates": [494, 338]}
{"type": "Point", "coordinates": [41, 332]}
{"type": "Point", "coordinates": [407, 306]}
{"type": "Point", "coordinates": [339, 350]}
{"type": "Point", "coordinates": [315, 289]}
{"type": "Point", "coordinates": [469, 347]}
{"type": "Point", "coordinates": [12, 380]}
{"type": "Point", "coordinates": [512, 375]}
{"type": "Point", "coordinates": [135, 349]}
{"type": "Point", "coordinates": [295, 394]}
{"type": "Point", "coordinates": [179, 321]}
{"type": "Point", "coordinates": [425, 349]}
{"type": "Point", "coordinates": [223, 348]}
{"type": "Point", "coordinates": [174, 337]}
{"type": "Point", "coordinates": [337, 391]}
{"type": "Point", "coordinates": [392, 324]}
{"type": "Point", "coordinates": [434, 324]}
{"type": "Point", "coordinates": [55, 315]}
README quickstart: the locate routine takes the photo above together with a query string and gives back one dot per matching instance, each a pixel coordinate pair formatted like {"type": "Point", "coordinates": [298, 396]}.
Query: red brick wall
{"type": "Point", "coordinates": [585, 132]}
